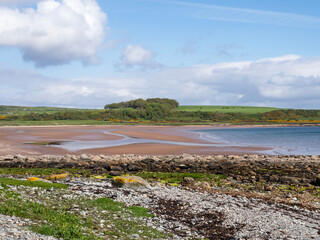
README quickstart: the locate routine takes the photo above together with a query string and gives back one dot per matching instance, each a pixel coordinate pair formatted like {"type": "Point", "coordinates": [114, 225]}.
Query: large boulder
{"type": "Point", "coordinates": [130, 182]}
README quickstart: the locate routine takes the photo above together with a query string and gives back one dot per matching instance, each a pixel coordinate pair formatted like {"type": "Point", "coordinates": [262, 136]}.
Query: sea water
{"type": "Point", "coordinates": [283, 140]}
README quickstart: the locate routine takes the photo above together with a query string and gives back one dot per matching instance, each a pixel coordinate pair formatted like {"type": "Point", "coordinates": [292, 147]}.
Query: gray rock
{"type": "Point", "coordinates": [115, 173]}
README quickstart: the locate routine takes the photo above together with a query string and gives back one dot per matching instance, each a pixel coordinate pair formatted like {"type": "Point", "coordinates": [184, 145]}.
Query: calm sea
{"type": "Point", "coordinates": [284, 140]}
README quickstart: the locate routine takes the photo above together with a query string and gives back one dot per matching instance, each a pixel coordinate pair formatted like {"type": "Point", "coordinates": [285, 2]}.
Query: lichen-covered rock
{"type": "Point", "coordinates": [57, 176]}
{"type": "Point", "coordinates": [130, 182]}
{"type": "Point", "coordinates": [33, 179]}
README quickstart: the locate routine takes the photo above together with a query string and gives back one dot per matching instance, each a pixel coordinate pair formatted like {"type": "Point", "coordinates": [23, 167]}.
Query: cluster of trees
{"type": "Point", "coordinates": [150, 109]}
{"type": "Point", "coordinates": [144, 104]}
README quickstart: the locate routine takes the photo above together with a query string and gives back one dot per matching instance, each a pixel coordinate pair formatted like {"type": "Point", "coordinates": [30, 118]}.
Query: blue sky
{"type": "Point", "coordinates": [87, 53]}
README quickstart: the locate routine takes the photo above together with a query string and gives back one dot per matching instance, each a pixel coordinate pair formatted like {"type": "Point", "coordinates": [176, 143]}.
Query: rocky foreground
{"type": "Point", "coordinates": [260, 197]}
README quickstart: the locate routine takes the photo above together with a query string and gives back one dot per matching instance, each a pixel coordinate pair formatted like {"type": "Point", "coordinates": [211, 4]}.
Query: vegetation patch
{"type": "Point", "coordinates": [65, 215]}
{"type": "Point", "coordinates": [140, 211]}
{"type": "Point", "coordinates": [42, 171]}
{"type": "Point", "coordinates": [108, 204]}
{"type": "Point", "coordinates": [178, 177]}
{"type": "Point", "coordinates": [157, 111]}
{"type": "Point", "coordinates": [16, 182]}
{"type": "Point", "coordinates": [226, 109]}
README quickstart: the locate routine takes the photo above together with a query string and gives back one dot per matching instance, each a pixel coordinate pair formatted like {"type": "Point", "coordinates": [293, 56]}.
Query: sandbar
{"type": "Point", "coordinates": [13, 140]}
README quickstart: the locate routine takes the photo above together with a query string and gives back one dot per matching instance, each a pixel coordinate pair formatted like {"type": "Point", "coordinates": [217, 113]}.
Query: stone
{"type": "Point", "coordinates": [115, 173]}
{"type": "Point", "coordinates": [187, 181]}
{"type": "Point", "coordinates": [204, 185]}
{"type": "Point", "coordinates": [57, 176]}
{"type": "Point", "coordinates": [274, 178]}
{"type": "Point", "coordinates": [182, 166]}
{"type": "Point", "coordinates": [133, 167]}
{"type": "Point", "coordinates": [116, 168]}
{"type": "Point", "coordinates": [33, 179]}
{"type": "Point", "coordinates": [84, 157]}
{"type": "Point", "coordinates": [268, 188]}
{"type": "Point", "coordinates": [31, 159]}
{"type": "Point", "coordinates": [288, 180]}
{"type": "Point", "coordinates": [187, 156]}
{"type": "Point", "coordinates": [96, 159]}
{"type": "Point", "coordinates": [8, 158]}
{"type": "Point", "coordinates": [130, 182]}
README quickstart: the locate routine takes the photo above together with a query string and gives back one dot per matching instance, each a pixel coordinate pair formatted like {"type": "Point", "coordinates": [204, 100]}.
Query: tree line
{"type": "Point", "coordinates": [144, 104]}
{"type": "Point", "coordinates": [162, 109]}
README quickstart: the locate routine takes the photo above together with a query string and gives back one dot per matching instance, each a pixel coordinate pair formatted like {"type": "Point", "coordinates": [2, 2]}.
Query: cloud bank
{"type": "Point", "coordinates": [55, 32]}
{"type": "Point", "coordinates": [16, 2]}
{"type": "Point", "coordinates": [285, 81]}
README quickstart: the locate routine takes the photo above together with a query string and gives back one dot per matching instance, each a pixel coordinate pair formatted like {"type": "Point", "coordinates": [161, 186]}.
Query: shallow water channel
{"type": "Point", "coordinates": [77, 145]}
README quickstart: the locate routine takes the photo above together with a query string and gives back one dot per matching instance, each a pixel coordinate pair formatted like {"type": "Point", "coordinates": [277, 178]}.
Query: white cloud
{"type": "Point", "coordinates": [137, 56]}
{"type": "Point", "coordinates": [286, 81]}
{"type": "Point", "coordinates": [133, 55]}
{"type": "Point", "coordinates": [55, 32]}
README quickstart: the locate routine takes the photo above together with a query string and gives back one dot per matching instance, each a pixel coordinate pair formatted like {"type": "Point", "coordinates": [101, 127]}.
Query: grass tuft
{"type": "Point", "coordinates": [45, 185]}
{"type": "Point", "coordinates": [175, 178]}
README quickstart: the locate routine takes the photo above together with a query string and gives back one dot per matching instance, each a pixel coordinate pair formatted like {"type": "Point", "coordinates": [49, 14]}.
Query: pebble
{"type": "Point", "coordinates": [260, 220]}
{"type": "Point", "coordinates": [12, 228]}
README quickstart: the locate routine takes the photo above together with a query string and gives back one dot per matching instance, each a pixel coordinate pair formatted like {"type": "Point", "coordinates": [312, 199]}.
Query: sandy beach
{"type": "Point", "coordinates": [14, 139]}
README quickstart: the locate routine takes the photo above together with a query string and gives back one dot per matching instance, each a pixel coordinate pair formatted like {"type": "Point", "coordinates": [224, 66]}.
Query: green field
{"type": "Point", "coordinates": [21, 110]}
{"type": "Point", "coordinates": [155, 115]}
{"type": "Point", "coordinates": [227, 109]}
{"type": "Point", "coordinates": [54, 122]}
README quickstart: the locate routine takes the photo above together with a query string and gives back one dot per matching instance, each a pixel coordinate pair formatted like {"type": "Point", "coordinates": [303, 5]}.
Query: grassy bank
{"type": "Point", "coordinates": [227, 109]}
{"type": "Point", "coordinates": [21, 110]}
{"type": "Point", "coordinates": [157, 115]}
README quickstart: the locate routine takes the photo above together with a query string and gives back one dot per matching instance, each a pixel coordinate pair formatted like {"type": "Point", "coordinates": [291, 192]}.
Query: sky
{"type": "Point", "coordinates": [89, 53]}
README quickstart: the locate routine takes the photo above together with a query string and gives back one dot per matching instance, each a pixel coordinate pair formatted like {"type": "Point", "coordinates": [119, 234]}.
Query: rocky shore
{"type": "Point", "coordinates": [296, 170]}
{"type": "Point", "coordinates": [253, 197]}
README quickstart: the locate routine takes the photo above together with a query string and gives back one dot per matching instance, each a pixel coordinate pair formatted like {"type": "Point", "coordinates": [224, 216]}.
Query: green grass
{"type": "Point", "coordinates": [54, 122]}
{"type": "Point", "coordinates": [227, 109]}
{"type": "Point", "coordinates": [54, 214]}
{"type": "Point", "coordinates": [44, 219]}
{"type": "Point", "coordinates": [178, 177]}
{"type": "Point", "coordinates": [122, 222]}
{"type": "Point", "coordinates": [112, 206]}
{"type": "Point", "coordinates": [42, 171]}
{"type": "Point", "coordinates": [45, 185]}
{"type": "Point", "coordinates": [108, 204]}
{"type": "Point", "coordinates": [140, 211]}
{"type": "Point", "coordinates": [21, 110]}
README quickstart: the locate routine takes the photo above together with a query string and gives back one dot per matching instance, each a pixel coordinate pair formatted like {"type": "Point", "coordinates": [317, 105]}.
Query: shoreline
{"type": "Point", "coordinates": [186, 125]}
{"type": "Point", "coordinates": [14, 139]}
{"type": "Point", "coordinates": [188, 196]}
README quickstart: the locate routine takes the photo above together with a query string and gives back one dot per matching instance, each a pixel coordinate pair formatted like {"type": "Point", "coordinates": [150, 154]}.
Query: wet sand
{"type": "Point", "coordinates": [13, 139]}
